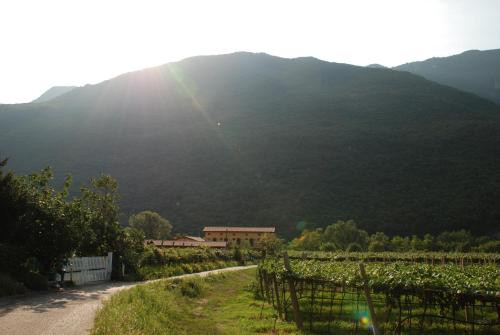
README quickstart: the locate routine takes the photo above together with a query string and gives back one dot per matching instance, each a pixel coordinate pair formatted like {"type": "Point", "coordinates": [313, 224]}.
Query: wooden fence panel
{"type": "Point", "coordinates": [84, 270]}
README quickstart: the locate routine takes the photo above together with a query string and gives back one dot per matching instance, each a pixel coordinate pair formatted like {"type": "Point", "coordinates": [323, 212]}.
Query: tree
{"type": "Point", "coordinates": [270, 244]}
{"type": "Point", "coordinates": [379, 242]}
{"type": "Point", "coordinates": [33, 220]}
{"type": "Point", "coordinates": [399, 243]}
{"type": "Point", "coordinates": [309, 240]}
{"type": "Point", "coordinates": [152, 224]}
{"type": "Point", "coordinates": [344, 233]}
{"type": "Point", "coordinates": [460, 240]}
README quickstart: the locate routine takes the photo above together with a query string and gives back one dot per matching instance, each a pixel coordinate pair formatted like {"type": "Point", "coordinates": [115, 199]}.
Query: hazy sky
{"type": "Point", "coordinates": [74, 42]}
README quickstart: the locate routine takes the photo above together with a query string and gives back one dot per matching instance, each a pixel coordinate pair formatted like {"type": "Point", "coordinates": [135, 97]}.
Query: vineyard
{"type": "Point", "coordinates": [385, 293]}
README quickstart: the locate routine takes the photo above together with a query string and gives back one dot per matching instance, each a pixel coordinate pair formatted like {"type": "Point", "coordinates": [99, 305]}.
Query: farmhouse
{"type": "Point", "coordinates": [237, 235]}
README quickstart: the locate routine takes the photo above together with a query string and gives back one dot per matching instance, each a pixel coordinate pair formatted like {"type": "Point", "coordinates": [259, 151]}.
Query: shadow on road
{"type": "Point", "coordinates": [41, 302]}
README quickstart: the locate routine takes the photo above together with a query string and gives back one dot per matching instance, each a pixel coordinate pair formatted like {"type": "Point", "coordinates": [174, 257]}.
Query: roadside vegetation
{"type": "Point", "coordinates": [220, 304]}
{"type": "Point", "coordinates": [160, 263]}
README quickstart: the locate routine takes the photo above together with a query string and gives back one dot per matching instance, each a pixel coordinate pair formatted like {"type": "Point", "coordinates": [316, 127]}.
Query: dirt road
{"type": "Point", "coordinates": [67, 312]}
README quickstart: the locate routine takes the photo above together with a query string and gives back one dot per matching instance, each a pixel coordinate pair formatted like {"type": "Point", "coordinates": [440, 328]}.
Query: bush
{"type": "Point", "coordinates": [354, 247]}
{"type": "Point", "coordinates": [8, 286]}
{"type": "Point", "coordinates": [33, 280]}
{"type": "Point", "coordinates": [492, 246]}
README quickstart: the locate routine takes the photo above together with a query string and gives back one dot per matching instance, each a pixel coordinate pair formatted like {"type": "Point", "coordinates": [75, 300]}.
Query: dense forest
{"type": "Point", "coordinates": [252, 139]}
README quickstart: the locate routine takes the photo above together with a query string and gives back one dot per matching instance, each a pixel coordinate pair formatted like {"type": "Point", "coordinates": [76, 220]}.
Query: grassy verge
{"type": "Point", "coordinates": [222, 304]}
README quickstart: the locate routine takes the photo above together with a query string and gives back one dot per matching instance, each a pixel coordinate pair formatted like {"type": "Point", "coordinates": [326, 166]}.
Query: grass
{"type": "Point", "coordinates": [222, 304]}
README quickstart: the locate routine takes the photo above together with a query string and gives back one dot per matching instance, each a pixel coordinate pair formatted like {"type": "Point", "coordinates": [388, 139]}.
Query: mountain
{"type": "Point", "coordinates": [252, 139]}
{"type": "Point", "coordinates": [473, 71]}
{"type": "Point", "coordinates": [376, 66]}
{"type": "Point", "coordinates": [54, 92]}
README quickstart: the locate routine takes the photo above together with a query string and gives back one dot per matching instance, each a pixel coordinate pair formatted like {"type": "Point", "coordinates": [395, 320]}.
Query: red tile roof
{"type": "Point", "coordinates": [240, 229]}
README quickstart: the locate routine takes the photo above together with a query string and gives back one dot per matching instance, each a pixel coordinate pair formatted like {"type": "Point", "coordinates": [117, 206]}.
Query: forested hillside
{"type": "Point", "coordinates": [472, 71]}
{"type": "Point", "coordinates": [252, 139]}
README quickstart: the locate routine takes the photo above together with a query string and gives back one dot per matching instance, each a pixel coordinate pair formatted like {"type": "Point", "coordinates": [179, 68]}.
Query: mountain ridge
{"type": "Point", "coordinates": [254, 139]}
{"type": "Point", "coordinates": [472, 71]}
{"type": "Point", "coordinates": [53, 92]}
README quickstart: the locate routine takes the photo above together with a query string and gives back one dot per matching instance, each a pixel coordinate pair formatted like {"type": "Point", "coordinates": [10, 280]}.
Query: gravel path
{"type": "Point", "coordinates": [65, 312]}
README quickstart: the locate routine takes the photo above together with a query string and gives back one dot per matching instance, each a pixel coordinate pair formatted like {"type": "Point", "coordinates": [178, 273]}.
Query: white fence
{"type": "Point", "coordinates": [83, 270]}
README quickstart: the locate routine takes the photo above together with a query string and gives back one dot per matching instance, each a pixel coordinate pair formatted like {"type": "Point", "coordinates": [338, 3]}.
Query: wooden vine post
{"type": "Point", "coordinates": [293, 294]}
{"type": "Point", "coordinates": [278, 300]}
{"type": "Point", "coordinates": [369, 299]}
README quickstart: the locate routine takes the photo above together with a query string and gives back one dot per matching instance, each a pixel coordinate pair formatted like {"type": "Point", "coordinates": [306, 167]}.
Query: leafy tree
{"type": "Point", "coordinates": [152, 224]}
{"type": "Point", "coordinates": [454, 241]}
{"type": "Point", "coordinates": [399, 243]}
{"type": "Point", "coordinates": [343, 233]}
{"type": "Point", "coordinates": [379, 242]}
{"type": "Point", "coordinates": [491, 246]}
{"type": "Point", "coordinates": [309, 240]}
{"type": "Point", "coordinates": [428, 243]}
{"type": "Point", "coordinates": [270, 244]}
{"type": "Point", "coordinates": [33, 220]}
{"type": "Point", "coordinates": [98, 207]}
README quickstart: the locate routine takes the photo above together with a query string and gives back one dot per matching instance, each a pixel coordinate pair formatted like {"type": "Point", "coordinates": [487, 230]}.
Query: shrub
{"type": "Point", "coordinates": [354, 247]}
{"type": "Point", "coordinates": [190, 288]}
{"type": "Point", "coordinates": [492, 246]}
{"type": "Point", "coordinates": [33, 280]}
{"type": "Point", "coordinates": [8, 286]}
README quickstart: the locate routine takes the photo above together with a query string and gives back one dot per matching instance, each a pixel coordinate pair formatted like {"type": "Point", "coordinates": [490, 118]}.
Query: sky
{"type": "Point", "coordinates": [77, 42]}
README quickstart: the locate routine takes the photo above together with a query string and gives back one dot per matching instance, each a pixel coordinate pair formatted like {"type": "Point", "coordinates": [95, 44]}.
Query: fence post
{"type": "Point", "coordinates": [369, 299]}
{"type": "Point", "coordinates": [278, 300]}
{"type": "Point", "coordinates": [109, 265]}
{"type": "Point", "coordinates": [293, 293]}
{"type": "Point", "coordinates": [259, 271]}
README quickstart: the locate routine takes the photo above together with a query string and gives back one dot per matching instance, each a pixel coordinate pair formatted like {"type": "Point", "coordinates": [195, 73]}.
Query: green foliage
{"type": "Point", "coordinates": [225, 306]}
{"type": "Point", "coordinates": [269, 244]}
{"type": "Point", "coordinates": [41, 227]}
{"type": "Point", "coordinates": [344, 234]}
{"type": "Point", "coordinates": [491, 246]}
{"type": "Point", "coordinates": [354, 247]}
{"type": "Point", "coordinates": [309, 240]}
{"type": "Point", "coordinates": [34, 221]}
{"type": "Point", "coordinates": [457, 241]}
{"type": "Point", "coordinates": [190, 288]}
{"type": "Point", "coordinates": [148, 272]}
{"type": "Point", "coordinates": [237, 255]}
{"type": "Point", "coordinates": [379, 242]}
{"type": "Point", "coordinates": [397, 277]}
{"type": "Point", "coordinates": [152, 224]}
